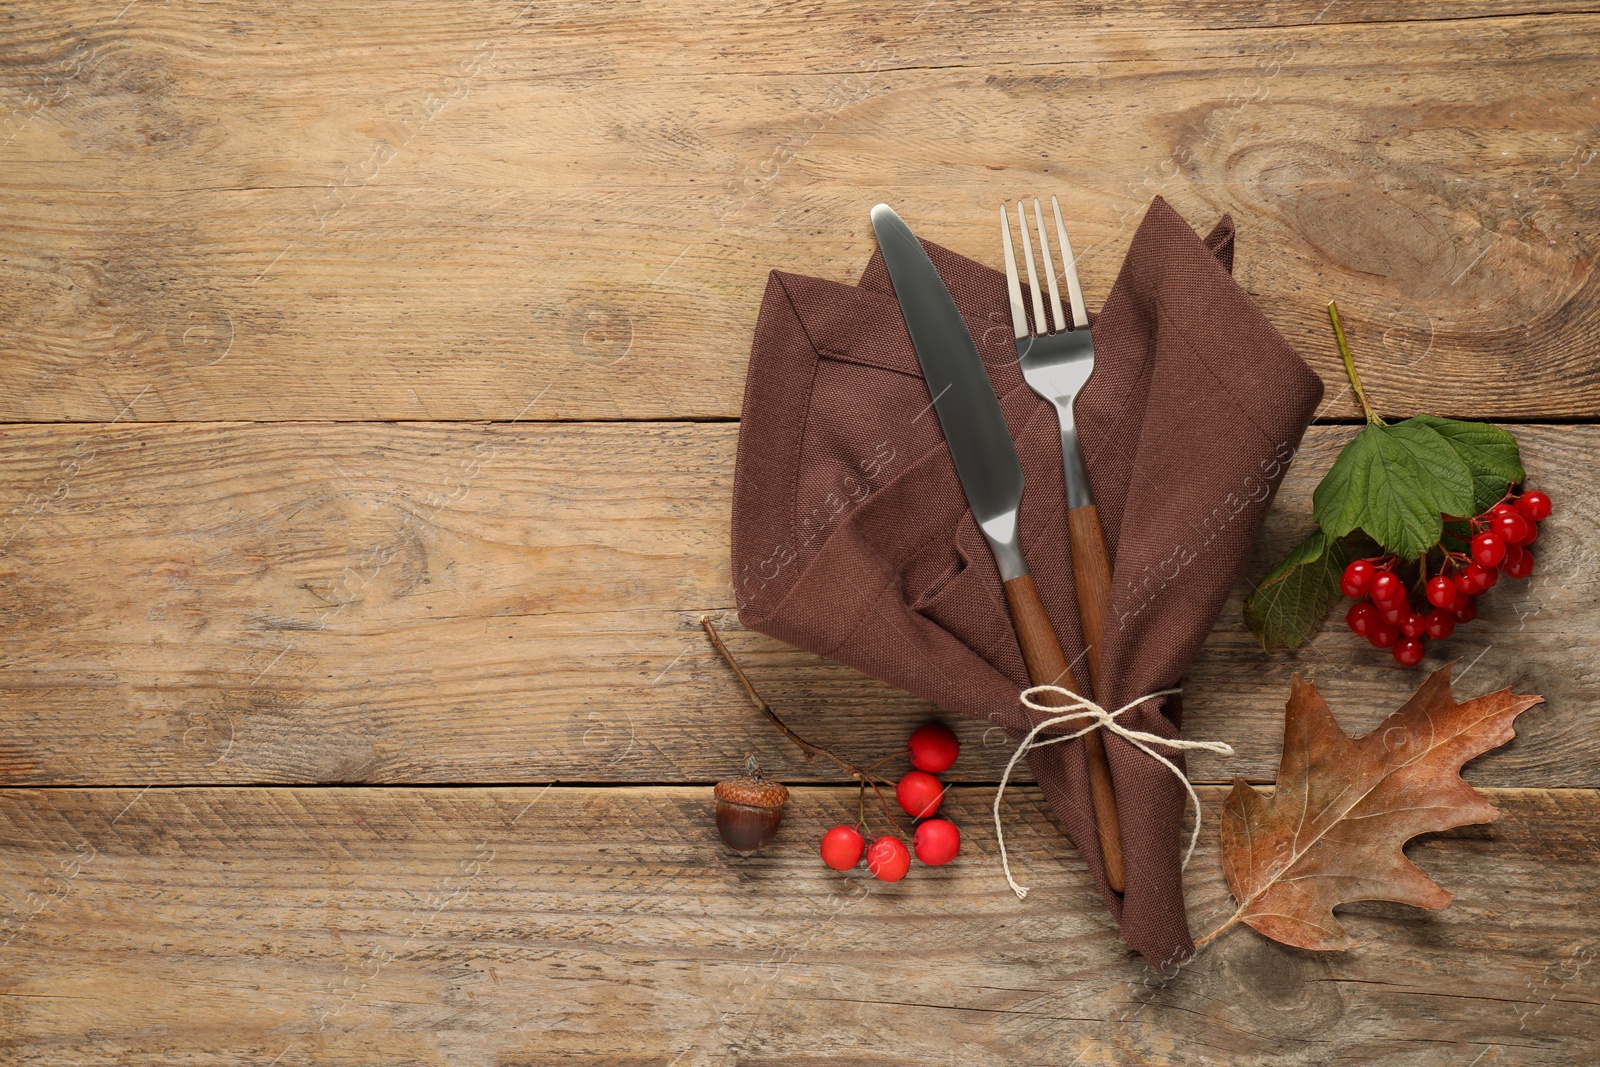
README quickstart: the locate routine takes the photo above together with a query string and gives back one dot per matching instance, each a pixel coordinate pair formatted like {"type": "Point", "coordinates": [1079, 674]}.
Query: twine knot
{"type": "Point", "coordinates": [1081, 707]}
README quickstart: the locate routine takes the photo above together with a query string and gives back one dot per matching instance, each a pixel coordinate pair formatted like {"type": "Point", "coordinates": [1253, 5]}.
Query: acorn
{"type": "Point", "coordinates": [749, 809]}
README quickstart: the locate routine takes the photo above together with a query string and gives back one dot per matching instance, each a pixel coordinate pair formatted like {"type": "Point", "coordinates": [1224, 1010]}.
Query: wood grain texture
{"type": "Point", "coordinates": [609, 926]}
{"type": "Point", "coordinates": [412, 216]}
{"type": "Point", "coordinates": [492, 210]}
{"type": "Point", "coordinates": [414, 603]}
{"type": "Point", "coordinates": [1047, 665]}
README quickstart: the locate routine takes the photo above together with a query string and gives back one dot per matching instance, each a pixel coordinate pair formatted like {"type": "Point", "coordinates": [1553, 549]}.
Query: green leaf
{"type": "Point", "coordinates": [1445, 472]}
{"type": "Point", "coordinates": [1292, 600]}
{"type": "Point", "coordinates": [1340, 500]}
{"type": "Point", "coordinates": [1395, 482]}
{"type": "Point", "coordinates": [1489, 452]}
{"type": "Point", "coordinates": [1403, 502]}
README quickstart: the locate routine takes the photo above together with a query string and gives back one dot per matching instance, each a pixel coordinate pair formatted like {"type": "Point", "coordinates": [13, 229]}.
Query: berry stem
{"type": "Point", "coordinates": [1350, 365]}
{"type": "Point", "coordinates": [810, 748]}
{"type": "Point", "coordinates": [874, 766]}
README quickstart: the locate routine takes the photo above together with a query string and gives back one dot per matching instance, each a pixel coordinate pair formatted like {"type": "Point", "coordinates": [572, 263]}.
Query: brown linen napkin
{"type": "Point", "coordinates": [852, 538]}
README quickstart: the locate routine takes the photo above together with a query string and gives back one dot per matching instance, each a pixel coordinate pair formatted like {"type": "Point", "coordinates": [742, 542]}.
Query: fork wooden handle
{"type": "Point", "coordinates": [1047, 665]}
{"type": "Point", "coordinates": [1091, 574]}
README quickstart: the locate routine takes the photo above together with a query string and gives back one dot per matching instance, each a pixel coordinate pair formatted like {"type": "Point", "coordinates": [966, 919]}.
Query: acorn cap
{"type": "Point", "coordinates": [752, 792]}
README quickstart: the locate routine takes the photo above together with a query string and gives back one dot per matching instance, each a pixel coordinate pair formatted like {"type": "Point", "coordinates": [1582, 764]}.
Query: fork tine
{"type": "Point", "coordinates": [1080, 316]}
{"type": "Point", "coordinates": [1039, 323]}
{"type": "Point", "coordinates": [1019, 313]}
{"type": "Point", "coordinates": [1060, 318]}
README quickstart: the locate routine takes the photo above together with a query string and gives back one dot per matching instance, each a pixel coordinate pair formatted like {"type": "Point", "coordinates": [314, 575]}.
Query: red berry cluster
{"type": "Point", "coordinates": [933, 748]}
{"type": "Point", "coordinates": [1386, 616]}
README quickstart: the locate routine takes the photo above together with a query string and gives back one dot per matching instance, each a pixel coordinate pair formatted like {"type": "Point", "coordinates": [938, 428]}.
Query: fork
{"type": "Point", "coordinates": [1057, 357]}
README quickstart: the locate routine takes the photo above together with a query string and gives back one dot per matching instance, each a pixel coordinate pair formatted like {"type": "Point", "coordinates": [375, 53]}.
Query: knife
{"type": "Point", "coordinates": [991, 475]}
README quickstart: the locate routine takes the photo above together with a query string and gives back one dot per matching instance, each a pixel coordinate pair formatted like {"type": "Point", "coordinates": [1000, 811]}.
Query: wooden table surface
{"type": "Point", "coordinates": [369, 394]}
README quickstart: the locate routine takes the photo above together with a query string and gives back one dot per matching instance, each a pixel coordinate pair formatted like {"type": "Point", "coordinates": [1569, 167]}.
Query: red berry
{"type": "Point", "coordinates": [937, 841]}
{"type": "Point", "coordinates": [1395, 614]}
{"type": "Point", "coordinates": [1412, 625]}
{"type": "Point", "coordinates": [933, 747]}
{"type": "Point", "coordinates": [1408, 651]}
{"type": "Point", "coordinates": [1488, 549]}
{"type": "Point", "coordinates": [1460, 601]}
{"type": "Point", "coordinates": [1357, 578]}
{"type": "Point", "coordinates": [888, 859]}
{"type": "Point", "coordinates": [1468, 612]}
{"type": "Point", "coordinates": [1386, 588]}
{"type": "Point", "coordinates": [1441, 591]}
{"type": "Point", "coordinates": [1361, 618]}
{"type": "Point", "coordinates": [1481, 577]}
{"type": "Point", "coordinates": [1519, 562]}
{"type": "Point", "coordinates": [1512, 528]}
{"type": "Point", "coordinates": [1533, 506]}
{"type": "Point", "coordinates": [1440, 624]}
{"type": "Point", "coordinates": [1383, 635]}
{"type": "Point", "coordinates": [1501, 508]}
{"type": "Point", "coordinates": [842, 847]}
{"type": "Point", "coordinates": [919, 793]}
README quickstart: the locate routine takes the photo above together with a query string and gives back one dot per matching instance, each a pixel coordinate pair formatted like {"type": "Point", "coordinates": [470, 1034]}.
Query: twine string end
{"type": "Point", "coordinates": [1076, 707]}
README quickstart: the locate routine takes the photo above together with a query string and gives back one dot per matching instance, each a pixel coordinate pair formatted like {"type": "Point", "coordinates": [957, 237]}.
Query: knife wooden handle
{"type": "Point", "coordinates": [1047, 665]}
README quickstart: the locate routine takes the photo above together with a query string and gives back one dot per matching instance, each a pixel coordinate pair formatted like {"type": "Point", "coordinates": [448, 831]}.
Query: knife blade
{"type": "Point", "coordinates": [990, 471]}
{"type": "Point", "coordinates": [969, 412]}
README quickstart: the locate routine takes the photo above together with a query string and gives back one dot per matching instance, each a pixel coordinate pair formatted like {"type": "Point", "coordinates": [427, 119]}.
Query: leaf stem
{"type": "Point", "coordinates": [1201, 942]}
{"type": "Point", "coordinates": [1350, 365]}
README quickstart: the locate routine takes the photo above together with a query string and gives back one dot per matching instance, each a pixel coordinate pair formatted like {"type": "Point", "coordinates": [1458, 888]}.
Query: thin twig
{"type": "Point", "coordinates": [811, 749]}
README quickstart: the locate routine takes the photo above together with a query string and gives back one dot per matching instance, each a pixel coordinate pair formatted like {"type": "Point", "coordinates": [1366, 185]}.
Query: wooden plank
{"type": "Point", "coordinates": [606, 926]}
{"type": "Point", "coordinates": [424, 603]}
{"type": "Point", "coordinates": [566, 211]}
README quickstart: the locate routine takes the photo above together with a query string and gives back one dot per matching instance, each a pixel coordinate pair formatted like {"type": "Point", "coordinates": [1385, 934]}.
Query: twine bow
{"type": "Point", "coordinates": [1080, 708]}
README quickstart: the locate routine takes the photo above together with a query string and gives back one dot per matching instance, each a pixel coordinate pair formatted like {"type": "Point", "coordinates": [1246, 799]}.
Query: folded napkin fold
{"type": "Point", "coordinates": [852, 537]}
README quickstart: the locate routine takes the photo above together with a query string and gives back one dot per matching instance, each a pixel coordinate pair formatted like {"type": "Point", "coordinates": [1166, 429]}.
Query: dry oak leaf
{"type": "Point", "coordinates": [1332, 830]}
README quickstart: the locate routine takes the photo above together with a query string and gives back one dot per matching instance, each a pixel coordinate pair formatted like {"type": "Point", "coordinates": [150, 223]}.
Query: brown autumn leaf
{"type": "Point", "coordinates": [1331, 832]}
